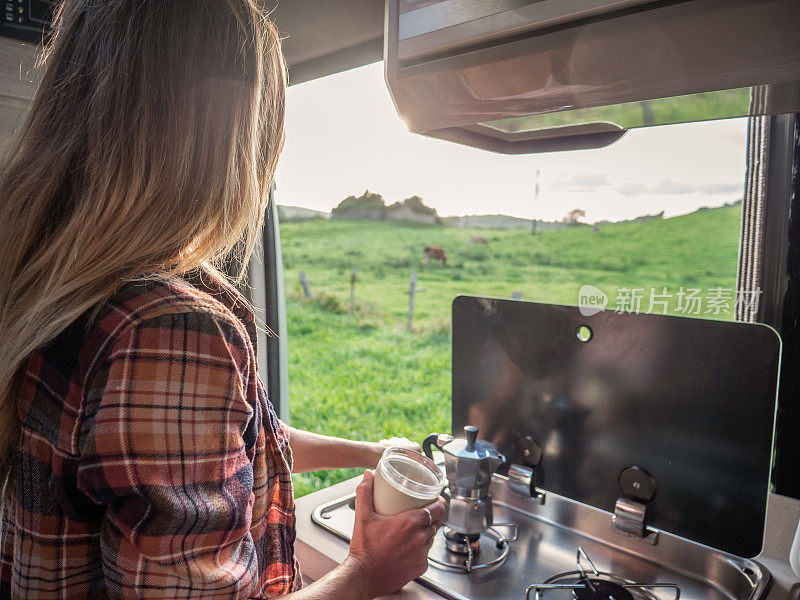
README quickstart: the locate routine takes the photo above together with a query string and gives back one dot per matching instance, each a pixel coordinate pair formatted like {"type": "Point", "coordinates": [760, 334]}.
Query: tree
{"type": "Point", "coordinates": [415, 205]}
{"type": "Point", "coordinates": [363, 205]}
{"type": "Point", "coordinates": [574, 216]}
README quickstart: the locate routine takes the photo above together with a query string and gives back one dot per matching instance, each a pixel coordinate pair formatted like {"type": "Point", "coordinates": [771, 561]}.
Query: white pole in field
{"type": "Point", "coordinates": [304, 283]}
{"type": "Point", "coordinates": [412, 290]}
{"type": "Point", "coordinates": [353, 291]}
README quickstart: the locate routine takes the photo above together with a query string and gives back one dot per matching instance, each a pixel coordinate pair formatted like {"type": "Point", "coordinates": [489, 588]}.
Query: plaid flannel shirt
{"type": "Point", "coordinates": [151, 463]}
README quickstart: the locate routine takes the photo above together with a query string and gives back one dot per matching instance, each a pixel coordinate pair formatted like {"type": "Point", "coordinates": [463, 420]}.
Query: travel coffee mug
{"type": "Point", "coordinates": [405, 479]}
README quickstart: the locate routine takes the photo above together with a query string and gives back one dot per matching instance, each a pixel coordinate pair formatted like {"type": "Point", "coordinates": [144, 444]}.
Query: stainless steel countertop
{"type": "Point", "coordinates": [319, 551]}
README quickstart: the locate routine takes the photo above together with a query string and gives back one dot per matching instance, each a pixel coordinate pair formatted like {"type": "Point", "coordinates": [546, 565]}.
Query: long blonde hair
{"type": "Point", "coordinates": [149, 151]}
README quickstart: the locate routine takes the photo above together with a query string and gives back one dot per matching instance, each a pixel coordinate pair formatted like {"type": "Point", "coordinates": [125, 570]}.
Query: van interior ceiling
{"type": "Point", "coordinates": [534, 76]}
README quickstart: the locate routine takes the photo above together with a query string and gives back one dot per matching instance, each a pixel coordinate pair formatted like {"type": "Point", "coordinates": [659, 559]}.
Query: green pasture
{"type": "Point", "coordinates": [363, 375]}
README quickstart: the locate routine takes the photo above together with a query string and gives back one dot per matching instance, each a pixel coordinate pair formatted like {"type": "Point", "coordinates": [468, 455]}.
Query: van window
{"type": "Point", "coordinates": [648, 224]}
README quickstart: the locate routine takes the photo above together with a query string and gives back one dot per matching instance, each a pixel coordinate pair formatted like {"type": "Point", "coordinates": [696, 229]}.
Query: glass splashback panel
{"type": "Point", "coordinates": [691, 401]}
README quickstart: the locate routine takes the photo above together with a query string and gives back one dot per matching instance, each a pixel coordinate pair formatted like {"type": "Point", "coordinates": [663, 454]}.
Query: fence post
{"type": "Point", "coordinates": [353, 291]}
{"type": "Point", "coordinates": [412, 290]}
{"type": "Point", "coordinates": [304, 283]}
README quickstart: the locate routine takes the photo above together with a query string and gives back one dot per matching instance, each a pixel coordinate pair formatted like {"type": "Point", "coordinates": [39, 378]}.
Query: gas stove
{"type": "Point", "coordinates": [665, 421]}
{"type": "Point", "coordinates": [553, 548]}
{"type": "Point", "coordinates": [591, 584]}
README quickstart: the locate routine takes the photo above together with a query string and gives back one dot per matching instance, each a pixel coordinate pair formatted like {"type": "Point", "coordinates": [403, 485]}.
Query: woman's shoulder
{"type": "Point", "coordinates": [160, 306]}
{"type": "Point", "coordinates": [153, 298]}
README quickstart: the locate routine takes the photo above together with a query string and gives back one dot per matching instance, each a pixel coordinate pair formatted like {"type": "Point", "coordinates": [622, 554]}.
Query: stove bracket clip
{"type": "Point", "coordinates": [630, 519]}
{"type": "Point", "coordinates": [520, 481]}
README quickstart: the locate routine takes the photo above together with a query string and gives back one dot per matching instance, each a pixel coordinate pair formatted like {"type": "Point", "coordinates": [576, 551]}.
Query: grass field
{"type": "Point", "coordinates": [364, 376]}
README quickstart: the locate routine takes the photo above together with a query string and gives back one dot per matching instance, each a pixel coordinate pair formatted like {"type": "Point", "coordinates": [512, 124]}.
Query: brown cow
{"type": "Point", "coordinates": [434, 253]}
{"type": "Point", "coordinates": [475, 240]}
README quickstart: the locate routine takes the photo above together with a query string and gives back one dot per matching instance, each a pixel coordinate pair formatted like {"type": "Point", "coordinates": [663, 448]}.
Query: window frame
{"type": "Point", "coordinates": [779, 304]}
{"type": "Point", "coordinates": [780, 276]}
{"type": "Point", "coordinates": [268, 297]}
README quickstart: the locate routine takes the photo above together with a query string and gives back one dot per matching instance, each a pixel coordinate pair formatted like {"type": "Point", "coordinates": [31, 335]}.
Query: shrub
{"type": "Point", "coordinates": [357, 205]}
{"type": "Point", "coordinates": [330, 304]}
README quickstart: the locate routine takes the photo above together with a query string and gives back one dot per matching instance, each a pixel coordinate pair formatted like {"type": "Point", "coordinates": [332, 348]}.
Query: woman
{"type": "Point", "coordinates": [140, 455]}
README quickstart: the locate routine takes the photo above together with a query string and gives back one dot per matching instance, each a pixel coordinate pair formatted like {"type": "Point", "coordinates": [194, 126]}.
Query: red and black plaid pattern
{"type": "Point", "coordinates": [152, 464]}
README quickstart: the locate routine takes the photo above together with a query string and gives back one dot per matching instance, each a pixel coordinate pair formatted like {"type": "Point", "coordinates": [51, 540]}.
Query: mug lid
{"type": "Point", "coordinates": [406, 484]}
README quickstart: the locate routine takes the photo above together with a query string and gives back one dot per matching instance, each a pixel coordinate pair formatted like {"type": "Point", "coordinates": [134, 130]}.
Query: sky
{"type": "Point", "coordinates": [343, 136]}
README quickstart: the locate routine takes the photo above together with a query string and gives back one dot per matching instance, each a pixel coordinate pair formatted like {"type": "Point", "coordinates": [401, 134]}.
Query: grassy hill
{"type": "Point", "coordinates": [498, 222]}
{"type": "Point", "coordinates": [365, 376]}
{"type": "Point", "coordinates": [298, 213]}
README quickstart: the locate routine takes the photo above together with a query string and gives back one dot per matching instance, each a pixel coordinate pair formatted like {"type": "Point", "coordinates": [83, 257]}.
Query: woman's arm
{"type": "Point", "coordinates": [346, 581]}
{"type": "Point", "coordinates": [314, 452]}
{"type": "Point", "coordinates": [376, 565]}
{"type": "Point", "coordinates": [165, 455]}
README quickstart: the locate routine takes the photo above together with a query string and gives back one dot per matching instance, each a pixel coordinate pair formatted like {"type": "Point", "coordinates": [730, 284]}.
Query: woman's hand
{"type": "Point", "coordinates": [390, 551]}
{"type": "Point", "coordinates": [377, 449]}
{"type": "Point", "coordinates": [402, 443]}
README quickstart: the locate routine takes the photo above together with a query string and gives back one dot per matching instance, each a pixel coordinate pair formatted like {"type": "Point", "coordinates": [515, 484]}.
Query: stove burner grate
{"type": "Point", "coordinates": [597, 585]}
{"type": "Point", "coordinates": [466, 554]}
{"type": "Point", "coordinates": [601, 589]}
{"type": "Point", "coordinates": [461, 543]}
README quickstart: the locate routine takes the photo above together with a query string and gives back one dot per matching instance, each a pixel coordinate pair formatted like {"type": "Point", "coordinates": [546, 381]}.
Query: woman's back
{"type": "Point", "coordinates": [139, 454]}
{"type": "Point", "coordinates": [144, 431]}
